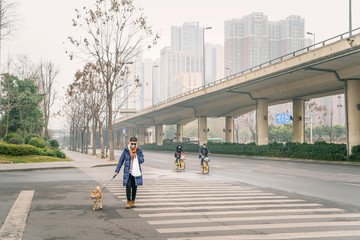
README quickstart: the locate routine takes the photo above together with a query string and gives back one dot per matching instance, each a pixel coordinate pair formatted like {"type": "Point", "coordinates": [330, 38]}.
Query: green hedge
{"type": "Point", "coordinates": [18, 150]}
{"type": "Point", "coordinates": [25, 149]}
{"type": "Point", "coordinates": [317, 151]}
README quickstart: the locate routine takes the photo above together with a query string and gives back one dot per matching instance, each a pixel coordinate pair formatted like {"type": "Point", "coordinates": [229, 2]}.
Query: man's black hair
{"type": "Point", "coordinates": [133, 139]}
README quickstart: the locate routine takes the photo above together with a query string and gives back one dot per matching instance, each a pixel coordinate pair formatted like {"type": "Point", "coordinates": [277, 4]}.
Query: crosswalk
{"type": "Point", "coordinates": [190, 209]}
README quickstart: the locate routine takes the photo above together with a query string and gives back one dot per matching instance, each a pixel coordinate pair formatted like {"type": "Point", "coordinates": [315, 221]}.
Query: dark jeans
{"type": "Point", "coordinates": [131, 188]}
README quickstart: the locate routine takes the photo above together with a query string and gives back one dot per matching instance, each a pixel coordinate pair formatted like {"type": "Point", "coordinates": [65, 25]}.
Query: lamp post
{"type": "Point", "coordinates": [310, 33]}
{"type": "Point", "coordinates": [229, 70]}
{"type": "Point", "coordinates": [350, 23]}
{"type": "Point", "coordinates": [153, 84]}
{"type": "Point", "coordinates": [205, 28]}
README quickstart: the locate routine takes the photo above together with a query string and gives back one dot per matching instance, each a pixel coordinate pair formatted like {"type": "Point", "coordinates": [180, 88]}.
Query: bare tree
{"type": "Point", "coordinates": [8, 19]}
{"type": "Point", "coordinates": [112, 35]}
{"type": "Point", "coordinates": [249, 121]}
{"type": "Point", "coordinates": [47, 75]}
{"type": "Point", "coordinates": [24, 68]}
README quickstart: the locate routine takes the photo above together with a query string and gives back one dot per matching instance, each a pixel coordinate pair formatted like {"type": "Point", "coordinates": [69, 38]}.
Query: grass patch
{"type": "Point", "coordinates": [7, 159]}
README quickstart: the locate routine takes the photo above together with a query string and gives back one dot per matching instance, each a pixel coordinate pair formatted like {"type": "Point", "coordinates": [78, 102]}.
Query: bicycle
{"type": "Point", "coordinates": [102, 155]}
{"type": "Point", "coordinates": [180, 162]}
{"type": "Point", "coordinates": [205, 165]}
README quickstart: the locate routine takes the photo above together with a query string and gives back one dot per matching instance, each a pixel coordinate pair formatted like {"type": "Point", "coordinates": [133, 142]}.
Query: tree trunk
{"type": "Point", "coordinates": [87, 139]}
{"type": "Point", "coordinates": [101, 137]}
{"type": "Point", "coordinates": [94, 136]}
{"type": "Point", "coordinates": [110, 131]}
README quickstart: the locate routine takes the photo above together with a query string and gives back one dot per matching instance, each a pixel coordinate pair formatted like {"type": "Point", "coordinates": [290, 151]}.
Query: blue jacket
{"type": "Point", "coordinates": [203, 150]}
{"type": "Point", "coordinates": [125, 157]}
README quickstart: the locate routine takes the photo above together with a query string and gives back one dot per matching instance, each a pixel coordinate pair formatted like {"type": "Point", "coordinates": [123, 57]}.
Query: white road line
{"type": "Point", "coordinates": [353, 184]}
{"type": "Point", "coordinates": [253, 218]}
{"type": "Point", "coordinates": [279, 236]}
{"type": "Point", "coordinates": [170, 196]}
{"type": "Point", "coordinates": [139, 208]}
{"type": "Point", "coordinates": [243, 212]}
{"type": "Point", "coordinates": [218, 202]}
{"type": "Point", "coordinates": [14, 225]}
{"type": "Point", "coordinates": [259, 226]}
{"type": "Point", "coordinates": [194, 192]}
{"type": "Point", "coordinates": [163, 199]}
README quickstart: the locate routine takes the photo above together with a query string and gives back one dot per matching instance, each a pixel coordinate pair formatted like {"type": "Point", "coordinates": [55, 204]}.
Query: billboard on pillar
{"type": "Point", "coordinates": [124, 130]}
{"type": "Point", "coordinates": [282, 118]}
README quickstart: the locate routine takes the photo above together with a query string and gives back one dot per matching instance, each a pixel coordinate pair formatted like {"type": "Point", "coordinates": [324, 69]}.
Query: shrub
{"type": "Point", "coordinates": [30, 136]}
{"type": "Point", "coordinates": [15, 140]}
{"type": "Point", "coordinates": [54, 143]}
{"type": "Point", "coordinates": [52, 152]}
{"type": "Point", "coordinates": [18, 150]}
{"type": "Point", "coordinates": [37, 142]}
{"type": "Point", "coordinates": [12, 135]}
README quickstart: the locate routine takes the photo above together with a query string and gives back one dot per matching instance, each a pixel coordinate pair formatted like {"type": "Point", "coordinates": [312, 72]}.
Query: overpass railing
{"type": "Point", "coordinates": [262, 65]}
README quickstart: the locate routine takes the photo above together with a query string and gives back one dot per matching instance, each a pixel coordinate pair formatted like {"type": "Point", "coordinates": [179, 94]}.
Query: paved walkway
{"type": "Point", "coordinates": [79, 160]}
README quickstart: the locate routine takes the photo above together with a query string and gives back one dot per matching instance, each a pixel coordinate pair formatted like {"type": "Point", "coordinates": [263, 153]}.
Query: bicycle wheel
{"type": "Point", "coordinates": [182, 164]}
{"type": "Point", "coordinates": [98, 155]}
{"type": "Point", "coordinates": [206, 168]}
{"type": "Point", "coordinates": [176, 165]}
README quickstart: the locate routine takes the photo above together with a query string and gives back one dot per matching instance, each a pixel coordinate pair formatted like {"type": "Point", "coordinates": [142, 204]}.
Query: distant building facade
{"type": "Point", "coordinates": [253, 40]}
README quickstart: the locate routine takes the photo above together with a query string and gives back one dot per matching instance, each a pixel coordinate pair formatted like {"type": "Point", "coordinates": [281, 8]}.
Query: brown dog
{"type": "Point", "coordinates": [97, 197]}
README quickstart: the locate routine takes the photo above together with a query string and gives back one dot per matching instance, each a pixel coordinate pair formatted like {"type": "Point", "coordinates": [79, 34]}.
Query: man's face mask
{"type": "Point", "coordinates": [133, 145]}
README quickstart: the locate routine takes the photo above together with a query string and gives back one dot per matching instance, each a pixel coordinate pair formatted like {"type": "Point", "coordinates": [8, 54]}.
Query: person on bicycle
{"type": "Point", "coordinates": [178, 152]}
{"type": "Point", "coordinates": [203, 153]}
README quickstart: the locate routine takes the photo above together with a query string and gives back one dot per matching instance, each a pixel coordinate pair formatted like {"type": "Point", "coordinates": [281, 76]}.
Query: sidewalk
{"type": "Point", "coordinates": [79, 160]}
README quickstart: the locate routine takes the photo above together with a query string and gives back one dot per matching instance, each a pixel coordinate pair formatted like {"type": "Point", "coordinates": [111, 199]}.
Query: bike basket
{"type": "Point", "coordinates": [207, 159]}
{"type": "Point", "coordinates": [182, 158]}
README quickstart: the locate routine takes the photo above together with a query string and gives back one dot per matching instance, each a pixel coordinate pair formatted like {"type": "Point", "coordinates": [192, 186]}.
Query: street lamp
{"type": "Point", "coordinates": [205, 28]}
{"type": "Point", "coordinates": [310, 33]}
{"type": "Point", "coordinates": [229, 70]}
{"type": "Point", "coordinates": [153, 84]}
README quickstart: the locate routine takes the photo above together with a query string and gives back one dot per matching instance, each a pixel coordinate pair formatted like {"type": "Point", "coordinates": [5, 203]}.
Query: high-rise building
{"type": "Point", "coordinates": [184, 57]}
{"type": "Point", "coordinates": [253, 40]}
{"type": "Point", "coordinates": [214, 62]}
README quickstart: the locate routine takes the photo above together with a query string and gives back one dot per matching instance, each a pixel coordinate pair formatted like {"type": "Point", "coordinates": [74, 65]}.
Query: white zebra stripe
{"type": "Point", "coordinates": [259, 226]}
{"type": "Point", "coordinates": [280, 236]}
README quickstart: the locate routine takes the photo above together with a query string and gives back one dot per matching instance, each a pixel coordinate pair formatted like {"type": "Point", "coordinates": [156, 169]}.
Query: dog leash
{"type": "Point", "coordinates": [108, 182]}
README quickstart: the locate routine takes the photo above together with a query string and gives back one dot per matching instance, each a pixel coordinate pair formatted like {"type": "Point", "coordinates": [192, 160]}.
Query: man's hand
{"type": "Point", "coordinates": [116, 173]}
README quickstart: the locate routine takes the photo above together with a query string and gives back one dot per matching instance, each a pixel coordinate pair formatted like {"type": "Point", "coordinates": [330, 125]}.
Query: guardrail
{"type": "Point", "coordinates": [257, 67]}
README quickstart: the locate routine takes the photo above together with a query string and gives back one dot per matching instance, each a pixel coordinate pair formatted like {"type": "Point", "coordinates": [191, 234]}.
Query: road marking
{"type": "Point", "coordinates": [243, 212]}
{"type": "Point", "coordinates": [14, 225]}
{"type": "Point", "coordinates": [353, 184]}
{"type": "Point", "coordinates": [259, 196]}
{"type": "Point", "coordinates": [157, 203]}
{"type": "Point", "coordinates": [254, 218]}
{"type": "Point", "coordinates": [229, 207]}
{"type": "Point", "coordinates": [259, 226]}
{"type": "Point", "coordinates": [279, 236]}
{"type": "Point", "coordinates": [170, 196]}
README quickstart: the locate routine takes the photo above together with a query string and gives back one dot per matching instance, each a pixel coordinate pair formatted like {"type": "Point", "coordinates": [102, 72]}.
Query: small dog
{"type": "Point", "coordinates": [97, 197]}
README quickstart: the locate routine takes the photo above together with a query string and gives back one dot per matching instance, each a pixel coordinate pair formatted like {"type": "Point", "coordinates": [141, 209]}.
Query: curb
{"type": "Point", "coordinates": [34, 169]}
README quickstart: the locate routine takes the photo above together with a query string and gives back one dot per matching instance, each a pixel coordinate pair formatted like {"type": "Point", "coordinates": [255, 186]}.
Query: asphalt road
{"type": "Point", "coordinates": [240, 198]}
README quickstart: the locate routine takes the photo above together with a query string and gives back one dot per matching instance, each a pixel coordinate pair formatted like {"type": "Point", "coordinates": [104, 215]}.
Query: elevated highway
{"type": "Point", "coordinates": [332, 68]}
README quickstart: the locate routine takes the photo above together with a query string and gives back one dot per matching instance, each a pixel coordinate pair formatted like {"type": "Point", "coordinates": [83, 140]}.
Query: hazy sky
{"type": "Point", "coordinates": [46, 24]}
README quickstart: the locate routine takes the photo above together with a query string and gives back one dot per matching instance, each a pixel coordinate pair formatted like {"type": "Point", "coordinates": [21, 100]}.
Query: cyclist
{"type": "Point", "coordinates": [178, 152]}
{"type": "Point", "coordinates": [203, 153]}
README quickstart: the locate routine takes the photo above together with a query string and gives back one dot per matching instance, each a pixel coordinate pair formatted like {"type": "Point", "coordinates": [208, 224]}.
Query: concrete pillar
{"type": "Point", "coordinates": [202, 130]}
{"type": "Point", "coordinates": [159, 134]}
{"type": "Point", "coordinates": [298, 121]}
{"type": "Point", "coordinates": [146, 139]}
{"type": "Point", "coordinates": [262, 122]}
{"type": "Point", "coordinates": [229, 130]}
{"type": "Point", "coordinates": [353, 112]}
{"type": "Point", "coordinates": [179, 130]}
{"type": "Point", "coordinates": [141, 139]}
